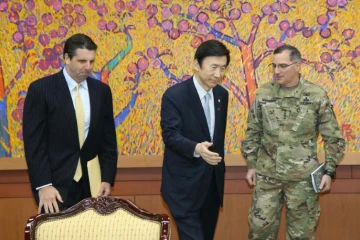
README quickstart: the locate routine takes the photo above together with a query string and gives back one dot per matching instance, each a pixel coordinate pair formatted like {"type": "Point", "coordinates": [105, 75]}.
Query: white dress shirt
{"type": "Point", "coordinates": [84, 94]}
{"type": "Point", "coordinates": [201, 92]}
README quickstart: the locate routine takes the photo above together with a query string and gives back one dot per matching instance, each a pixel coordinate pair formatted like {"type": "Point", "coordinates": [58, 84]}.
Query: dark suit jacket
{"type": "Point", "coordinates": [185, 179]}
{"type": "Point", "coordinates": [51, 140]}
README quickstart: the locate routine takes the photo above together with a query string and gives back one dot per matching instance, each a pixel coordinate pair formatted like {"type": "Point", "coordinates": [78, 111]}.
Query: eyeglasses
{"type": "Point", "coordinates": [281, 66]}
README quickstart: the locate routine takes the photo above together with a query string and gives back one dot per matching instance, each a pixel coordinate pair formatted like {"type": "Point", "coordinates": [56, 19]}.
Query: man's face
{"type": "Point", "coordinates": [80, 66]}
{"type": "Point", "coordinates": [286, 72]}
{"type": "Point", "coordinates": [211, 71]}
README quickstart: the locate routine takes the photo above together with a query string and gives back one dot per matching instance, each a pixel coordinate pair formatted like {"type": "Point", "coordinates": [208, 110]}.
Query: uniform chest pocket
{"type": "Point", "coordinates": [270, 112]}
{"type": "Point", "coordinates": [306, 119]}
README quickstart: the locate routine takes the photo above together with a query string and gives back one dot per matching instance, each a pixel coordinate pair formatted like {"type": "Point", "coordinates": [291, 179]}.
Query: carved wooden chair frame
{"type": "Point", "coordinates": [103, 205]}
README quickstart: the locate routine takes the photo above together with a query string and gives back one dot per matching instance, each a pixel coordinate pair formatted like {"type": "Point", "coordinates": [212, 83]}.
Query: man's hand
{"type": "Point", "coordinates": [211, 158]}
{"type": "Point", "coordinates": [325, 184]}
{"type": "Point", "coordinates": [105, 189]}
{"type": "Point", "coordinates": [251, 177]}
{"type": "Point", "coordinates": [48, 196]}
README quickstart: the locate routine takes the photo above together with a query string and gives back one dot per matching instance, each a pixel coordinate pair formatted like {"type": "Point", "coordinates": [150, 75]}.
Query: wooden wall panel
{"type": "Point", "coordinates": [233, 219]}
{"type": "Point", "coordinates": [343, 172]}
{"type": "Point", "coordinates": [131, 198]}
{"type": "Point", "coordinates": [338, 221]}
{"type": "Point", "coordinates": [155, 204]}
{"type": "Point", "coordinates": [339, 218]}
{"type": "Point", "coordinates": [14, 213]}
{"type": "Point", "coordinates": [355, 171]}
{"type": "Point", "coordinates": [15, 190]}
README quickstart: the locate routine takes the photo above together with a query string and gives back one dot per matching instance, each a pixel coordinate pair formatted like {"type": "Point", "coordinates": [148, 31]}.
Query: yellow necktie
{"type": "Point", "coordinates": [80, 119]}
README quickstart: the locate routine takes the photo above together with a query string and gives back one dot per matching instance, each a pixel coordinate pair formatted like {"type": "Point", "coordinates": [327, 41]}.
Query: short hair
{"type": "Point", "coordinates": [294, 52]}
{"type": "Point", "coordinates": [211, 48]}
{"type": "Point", "coordinates": [77, 41]}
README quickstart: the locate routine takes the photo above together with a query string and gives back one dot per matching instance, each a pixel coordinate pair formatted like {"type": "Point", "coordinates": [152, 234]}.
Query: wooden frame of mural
{"type": "Point", "coordinates": [156, 161]}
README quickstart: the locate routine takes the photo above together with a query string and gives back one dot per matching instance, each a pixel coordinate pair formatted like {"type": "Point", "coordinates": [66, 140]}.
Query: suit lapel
{"type": "Point", "coordinates": [197, 108]}
{"type": "Point", "coordinates": [217, 108]}
{"type": "Point", "coordinates": [62, 92]}
{"type": "Point", "coordinates": [94, 106]}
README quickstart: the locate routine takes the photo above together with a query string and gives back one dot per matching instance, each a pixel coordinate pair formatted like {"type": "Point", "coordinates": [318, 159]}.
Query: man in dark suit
{"type": "Point", "coordinates": [193, 122]}
{"type": "Point", "coordinates": [68, 120]}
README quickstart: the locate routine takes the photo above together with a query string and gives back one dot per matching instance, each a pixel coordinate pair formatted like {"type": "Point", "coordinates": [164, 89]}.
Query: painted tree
{"type": "Point", "coordinates": [24, 37]}
{"type": "Point", "coordinates": [250, 29]}
{"type": "Point", "coordinates": [150, 61]}
{"type": "Point", "coordinates": [40, 38]}
{"type": "Point", "coordinates": [223, 20]}
{"type": "Point", "coordinates": [108, 14]}
{"type": "Point", "coordinates": [33, 39]}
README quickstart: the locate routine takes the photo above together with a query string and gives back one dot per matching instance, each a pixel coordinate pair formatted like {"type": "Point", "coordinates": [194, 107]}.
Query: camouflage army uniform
{"type": "Point", "coordinates": [281, 144]}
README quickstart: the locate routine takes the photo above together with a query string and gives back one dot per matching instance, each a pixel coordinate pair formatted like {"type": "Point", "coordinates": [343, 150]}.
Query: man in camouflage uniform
{"type": "Point", "coordinates": [284, 122]}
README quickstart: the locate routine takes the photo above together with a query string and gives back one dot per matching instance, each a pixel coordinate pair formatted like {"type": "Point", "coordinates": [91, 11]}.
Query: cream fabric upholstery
{"type": "Point", "coordinates": [91, 225]}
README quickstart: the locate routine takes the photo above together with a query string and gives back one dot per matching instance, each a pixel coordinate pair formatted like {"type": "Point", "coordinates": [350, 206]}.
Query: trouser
{"type": "Point", "coordinates": [200, 225]}
{"type": "Point", "coordinates": [302, 209]}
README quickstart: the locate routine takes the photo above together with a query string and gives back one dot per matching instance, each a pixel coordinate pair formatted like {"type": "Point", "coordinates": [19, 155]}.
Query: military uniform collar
{"type": "Point", "coordinates": [294, 93]}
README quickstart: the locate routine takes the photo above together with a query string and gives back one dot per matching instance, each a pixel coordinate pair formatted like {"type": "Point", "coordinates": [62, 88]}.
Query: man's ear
{"type": "Point", "coordinates": [67, 59]}
{"type": "Point", "coordinates": [196, 65]}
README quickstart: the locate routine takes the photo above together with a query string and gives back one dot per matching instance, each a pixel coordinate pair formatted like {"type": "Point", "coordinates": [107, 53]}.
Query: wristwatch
{"type": "Point", "coordinates": [330, 173]}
